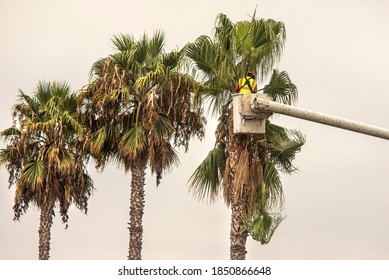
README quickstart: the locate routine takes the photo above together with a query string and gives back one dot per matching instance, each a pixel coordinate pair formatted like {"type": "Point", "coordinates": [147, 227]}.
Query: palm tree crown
{"type": "Point", "coordinates": [140, 106]}
{"type": "Point", "coordinates": [45, 155]}
{"type": "Point", "coordinates": [244, 168]}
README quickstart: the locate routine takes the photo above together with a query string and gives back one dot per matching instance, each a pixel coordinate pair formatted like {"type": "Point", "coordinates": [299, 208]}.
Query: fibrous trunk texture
{"type": "Point", "coordinates": [238, 234]}
{"type": "Point", "coordinates": [46, 220]}
{"type": "Point", "coordinates": [137, 204]}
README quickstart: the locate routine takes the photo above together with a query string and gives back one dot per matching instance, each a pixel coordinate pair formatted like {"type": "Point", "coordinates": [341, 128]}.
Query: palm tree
{"type": "Point", "coordinates": [45, 157]}
{"type": "Point", "coordinates": [244, 168]}
{"type": "Point", "coordinates": [139, 107]}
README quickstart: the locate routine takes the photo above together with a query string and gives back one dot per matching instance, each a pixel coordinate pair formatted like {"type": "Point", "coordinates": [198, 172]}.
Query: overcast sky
{"type": "Point", "coordinates": [336, 53]}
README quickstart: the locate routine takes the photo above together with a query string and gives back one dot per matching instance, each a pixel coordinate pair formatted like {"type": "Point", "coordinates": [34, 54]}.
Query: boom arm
{"type": "Point", "coordinates": [261, 105]}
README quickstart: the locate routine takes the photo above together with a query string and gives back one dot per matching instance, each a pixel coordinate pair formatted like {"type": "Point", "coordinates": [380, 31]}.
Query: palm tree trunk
{"type": "Point", "coordinates": [137, 204]}
{"type": "Point", "coordinates": [46, 220]}
{"type": "Point", "coordinates": [238, 234]}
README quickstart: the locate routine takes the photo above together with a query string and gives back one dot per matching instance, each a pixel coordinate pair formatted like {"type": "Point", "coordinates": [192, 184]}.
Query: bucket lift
{"type": "Point", "coordinates": [251, 111]}
{"type": "Point", "coordinates": [246, 120]}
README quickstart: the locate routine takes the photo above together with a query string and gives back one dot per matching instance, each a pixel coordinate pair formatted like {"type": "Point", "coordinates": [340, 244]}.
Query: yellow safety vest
{"type": "Point", "coordinates": [244, 85]}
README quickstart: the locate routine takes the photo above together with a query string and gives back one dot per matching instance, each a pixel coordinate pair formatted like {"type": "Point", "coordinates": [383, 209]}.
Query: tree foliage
{"type": "Point", "coordinates": [236, 48]}
{"type": "Point", "coordinates": [139, 104]}
{"type": "Point", "coordinates": [45, 153]}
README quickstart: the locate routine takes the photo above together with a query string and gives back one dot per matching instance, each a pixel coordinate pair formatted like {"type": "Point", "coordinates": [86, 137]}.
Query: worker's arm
{"type": "Point", "coordinates": [237, 87]}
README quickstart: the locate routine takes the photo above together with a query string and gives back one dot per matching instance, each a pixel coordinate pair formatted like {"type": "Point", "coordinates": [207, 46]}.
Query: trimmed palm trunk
{"type": "Point", "coordinates": [46, 220]}
{"type": "Point", "coordinates": [238, 234]}
{"type": "Point", "coordinates": [137, 203]}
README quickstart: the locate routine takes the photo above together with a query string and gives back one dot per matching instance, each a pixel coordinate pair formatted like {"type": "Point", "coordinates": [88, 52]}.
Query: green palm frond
{"type": "Point", "coordinates": [225, 33]}
{"type": "Point", "coordinates": [215, 66]}
{"type": "Point", "coordinates": [283, 146]}
{"type": "Point", "coordinates": [156, 43]}
{"type": "Point", "coordinates": [5, 155]}
{"type": "Point", "coordinates": [264, 44]}
{"type": "Point", "coordinates": [271, 194]}
{"type": "Point", "coordinates": [133, 142]}
{"type": "Point", "coordinates": [60, 90]}
{"type": "Point", "coordinates": [145, 83]}
{"type": "Point", "coordinates": [77, 127]}
{"type": "Point", "coordinates": [172, 59]}
{"type": "Point", "coordinates": [9, 133]}
{"type": "Point", "coordinates": [26, 105]}
{"type": "Point", "coordinates": [52, 108]}
{"type": "Point", "coordinates": [33, 175]}
{"type": "Point", "coordinates": [123, 42]}
{"type": "Point", "coordinates": [206, 179]}
{"type": "Point", "coordinates": [43, 93]}
{"type": "Point", "coordinates": [281, 88]}
{"type": "Point", "coordinates": [124, 59]}
{"type": "Point", "coordinates": [88, 185]}
{"type": "Point", "coordinates": [103, 142]}
{"type": "Point", "coordinates": [262, 225]}
{"type": "Point", "coordinates": [69, 104]}
{"type": "Point", "coordinates": [140, 55]}
{"type": "Point", "coordinates": [204, 55]}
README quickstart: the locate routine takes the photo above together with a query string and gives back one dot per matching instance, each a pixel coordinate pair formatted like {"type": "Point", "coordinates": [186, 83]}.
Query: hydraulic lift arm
{"type": "Point", "coordinates": [261, 104]}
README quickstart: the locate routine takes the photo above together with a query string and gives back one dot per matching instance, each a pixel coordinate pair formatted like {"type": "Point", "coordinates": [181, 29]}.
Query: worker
{"type": "Point", "coordinates": [247, 84]}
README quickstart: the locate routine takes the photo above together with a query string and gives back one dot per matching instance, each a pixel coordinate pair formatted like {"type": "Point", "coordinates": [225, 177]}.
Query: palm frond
{"type": "Point", "coordinates": [156, 43]}
{"type": "Point", "coordinates": [32, 176]}
{"type": "Point", "coordinates": [225, 34]}
{"type": "Point", "coordinates": [77, 127]}
{"type": "Point", "coordinates": [283, 146]}
{"type": "Point", "coordinates": [160, 128]}
{"type": "Point", "coordinates": [60, 90]}
{"type": "Point", "coordinates": [43, 93]}
{"type": "Point", "coordinates": [206, 179]}
{"type": "Point", "coordinates": [97, 68]}
{"type": "Point", "coordinates": [161, 159]}
{"type": "Point", "coordinates": [60, 160]}
{"type": "Point", "coordinates": [133, 142]}
{"type": "Point", "coordinates": [204, 55]}
{"type": "Point", "coordinates": [124, 59]}
{"type": "Point", "coordinates": [9, 133]}
{"type": "Point", "coordinates": [123, 42]}
{"type": "Point", "coordinates": [271, 195]}
{"type": "Point", "coordinates": [262, 225]}
{"type": "Point", "coordinates": [281, 88]}
{"type": "Point", "coordinates": [140, 56]}
{"type": "Point", "coordinates": [169, 157]}
{"type": "Point", "coordinates": [268, 41]}
{"type": "Point", "coordinates": [218, 100]}
{"type": "Point", "coordinates": [145, 83]}
{"type": "Point", "coordinates": [26, 105]}
{"type": "Point", "coordinates": [172, 59]}
{"type": "Point", "coordinates": [98, 139]}
{"type": "Point", "coordinates": [5, 155]}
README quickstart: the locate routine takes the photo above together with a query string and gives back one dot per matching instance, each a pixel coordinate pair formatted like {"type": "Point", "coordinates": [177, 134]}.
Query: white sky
{"type": "Point", "coordinates": [336, 53]}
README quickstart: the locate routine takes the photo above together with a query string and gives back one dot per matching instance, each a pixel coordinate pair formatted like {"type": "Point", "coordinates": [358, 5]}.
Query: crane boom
{"type": "Point", "coordinates": [251, 111]}
{"type": "Point", "coordinates": [264, 105]}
